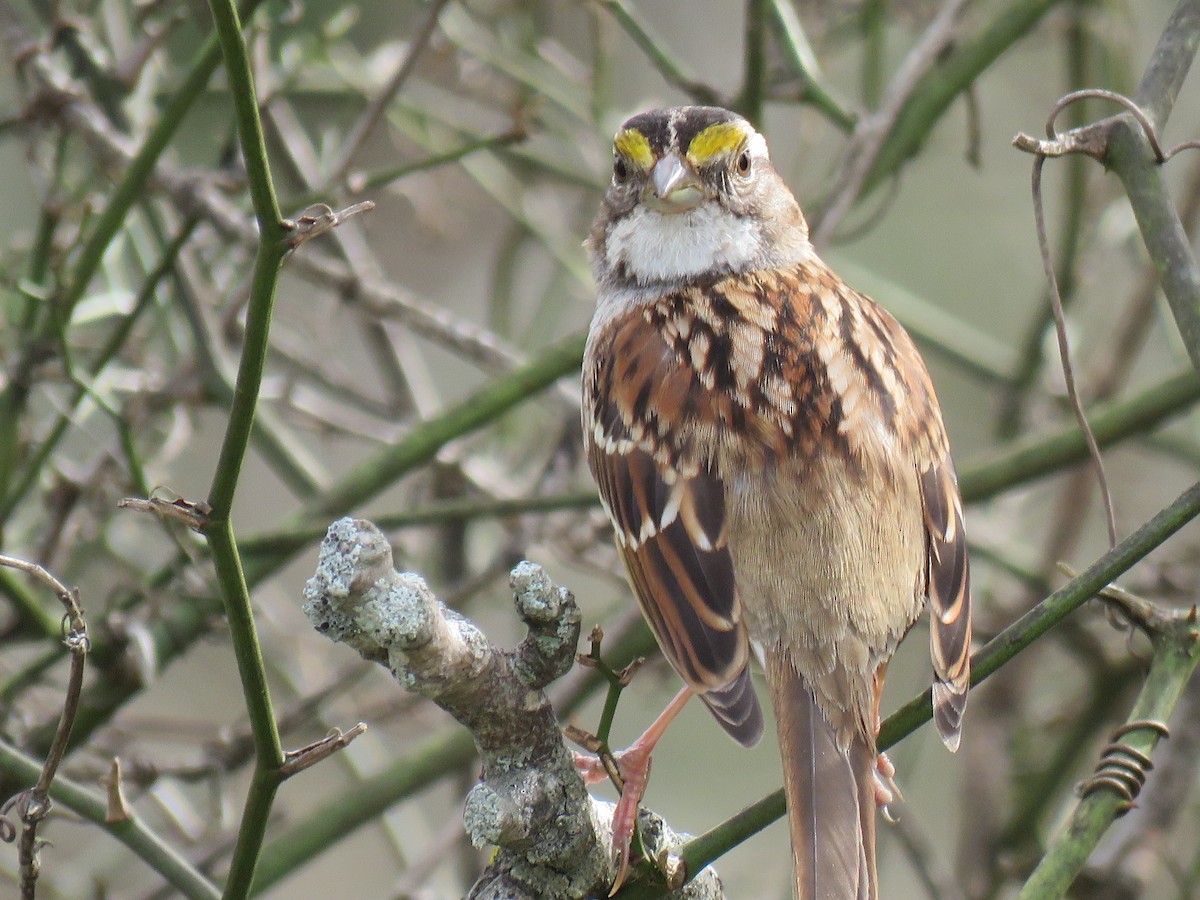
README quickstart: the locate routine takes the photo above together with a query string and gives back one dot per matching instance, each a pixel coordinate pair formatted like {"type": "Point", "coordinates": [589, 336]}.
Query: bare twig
{"type": "Point", "coordinates": [33, 805]}
{"type": "Point", "coordinates": [369, 118]}
{"type": "Point", "coordinates": [873, 130]}
{"type": "Point", "coordinates": [192, 513]}
{"type": "Point", "coordinates": [298, 760]}
{"type": "Point", "coordinates": [1060, 325]}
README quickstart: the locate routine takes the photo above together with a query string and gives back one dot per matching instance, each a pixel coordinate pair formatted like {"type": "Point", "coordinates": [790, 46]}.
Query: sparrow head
{"type": "Point", "coordinates": [693, 196]}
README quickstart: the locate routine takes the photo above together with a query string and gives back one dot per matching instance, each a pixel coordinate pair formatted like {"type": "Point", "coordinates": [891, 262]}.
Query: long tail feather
{"type": "Point", "coordinates": [830, 795]}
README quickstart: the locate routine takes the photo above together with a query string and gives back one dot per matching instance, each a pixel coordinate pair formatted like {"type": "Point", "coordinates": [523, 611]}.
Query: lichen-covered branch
{"type": "Point", "coordinates": [531, 801]}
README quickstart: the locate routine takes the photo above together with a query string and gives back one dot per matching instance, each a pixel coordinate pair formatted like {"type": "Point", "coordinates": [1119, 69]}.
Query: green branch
{"type": "Point", "coordinates": [1176, 653]}
{"type": "Point", "coordinates": [1023, 460]}
{"type": "Point", "coordinates": [651, 45]}
{"type": "Point", "coordinates": [219, 527]}
{"type": "Point", "coordinates": [949, 78]}
{"type": "Point", "coordinates": [799, 56]}
{"type": "Point", "coordinates": [754, 56]}
{"type": "Point", "coordinates": [131, 831]}
{"type": "Point", "coordinates": [1130, 158]}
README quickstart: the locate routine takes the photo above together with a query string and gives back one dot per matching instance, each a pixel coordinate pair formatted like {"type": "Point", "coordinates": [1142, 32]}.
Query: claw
{"type": "Point", "coordinates": [886, 789]}
{"type": "Point", "coordinates": [634, 765]}
{"type": "Point", "coordinates": [629, 770]}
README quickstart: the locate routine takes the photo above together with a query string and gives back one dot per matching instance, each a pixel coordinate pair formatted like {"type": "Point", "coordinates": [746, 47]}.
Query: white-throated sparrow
{"type": "Point", "coordinates": [769, 447]}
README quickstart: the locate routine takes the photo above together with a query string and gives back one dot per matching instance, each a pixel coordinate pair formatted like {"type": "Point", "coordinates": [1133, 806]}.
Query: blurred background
{"type": "Point", "coordinates": [482, 132]}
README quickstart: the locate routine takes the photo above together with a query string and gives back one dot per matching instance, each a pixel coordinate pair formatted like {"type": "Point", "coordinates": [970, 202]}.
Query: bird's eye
{"type": "Point", "coordinates": [743, 163]}
{"type": "Point", "coordinates": [620, 170]}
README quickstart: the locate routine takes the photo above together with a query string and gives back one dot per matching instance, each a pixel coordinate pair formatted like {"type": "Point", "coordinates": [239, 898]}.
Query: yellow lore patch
{"type": "Point", "coordinates": [715, 140]}
{"type": "Point", "coordinates": [632, 144]}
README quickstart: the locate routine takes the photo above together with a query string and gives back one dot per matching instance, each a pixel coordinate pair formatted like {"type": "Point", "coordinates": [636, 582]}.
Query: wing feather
{"type": "Point", "coordinates": [949, 592]}
{"type": "Point", "coordinates": [682, 575]}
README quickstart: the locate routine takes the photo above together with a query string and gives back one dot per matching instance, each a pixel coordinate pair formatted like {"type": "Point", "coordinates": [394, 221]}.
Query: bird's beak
{"type": "Point", "coordinates": [674, 186]}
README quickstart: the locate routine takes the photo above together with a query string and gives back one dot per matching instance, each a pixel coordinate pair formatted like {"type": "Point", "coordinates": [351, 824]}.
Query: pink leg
{"type": "Point", "coordinates": [633, 763]}
{"type": "Point", "coordinates": [885, 784]}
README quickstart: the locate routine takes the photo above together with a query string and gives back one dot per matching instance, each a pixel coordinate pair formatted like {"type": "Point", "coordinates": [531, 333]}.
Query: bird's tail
{"type": "Point", "coordinates": [830, 795]}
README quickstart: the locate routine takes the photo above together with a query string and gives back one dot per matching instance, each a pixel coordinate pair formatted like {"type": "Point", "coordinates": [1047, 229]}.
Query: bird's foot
{"type": "Point", "coordinates": [886, 790]}
{"type": "Point", "coordinates": [632, 774]}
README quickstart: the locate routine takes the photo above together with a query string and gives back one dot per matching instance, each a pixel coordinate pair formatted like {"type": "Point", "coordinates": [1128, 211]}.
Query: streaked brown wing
{"type": "Point", "coordinates": [672, 539]}
{"type": "Point", "coordinates": [949, 592]}
{"type": "Point", "coordinates": [913, 407]}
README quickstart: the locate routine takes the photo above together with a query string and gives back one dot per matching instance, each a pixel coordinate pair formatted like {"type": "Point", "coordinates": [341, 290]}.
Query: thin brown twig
{"type": "Point", "coordinates": [1092, 139]}
{"type": "Point", "coordinates": [319, 219]}
{"type": "Point", "coordinates": [33, 805]}
{"type": "Point", "coordinates": [1064, 350]}
{"type": "Point", "coordinates": [296, 761]}
{"type": "Point", "coordinates": [872, 130]}
{"type": "Point", "coordinates": [366, 122]}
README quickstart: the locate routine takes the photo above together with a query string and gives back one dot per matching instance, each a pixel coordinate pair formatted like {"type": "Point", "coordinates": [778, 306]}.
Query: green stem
{"type": "Point", "coordinates": [289, 541]}
{"type": "Point", "coordinates": [750, 100]}
{"type": "Point", "coordinates": [384, 177]}
{"type": "Point", "coordinates": [873, 22]}
{"type": "Point", "coordinates": [949, 78]}
{"type": "Point", "coordinates": [1023, 460]}
{"type": "Point", "coordinates": [219, 528]}
{"type": "Point", "coordinates": [131, 831]}
{"type": "Point", "coordinates": [790, 35]}
{"type": "Point", "coordinates": [653, 47]}
{"type": "Point", "coordinates": [31, 612]}
{"type": "Point", "coordinates": [419, 447]}
{"type": "Point", "coordinates": [1176, 653]}
{"type": "Point", "coordinates": [1129, 156]}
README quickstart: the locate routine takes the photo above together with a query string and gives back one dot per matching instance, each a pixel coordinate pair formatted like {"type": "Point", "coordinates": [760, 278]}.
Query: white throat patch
{"type": "Point", "coordinates": [654, 247]}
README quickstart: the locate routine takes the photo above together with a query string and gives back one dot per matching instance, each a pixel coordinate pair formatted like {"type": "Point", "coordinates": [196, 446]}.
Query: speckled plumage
{"type": "Point", "coordinates": [769, 447]}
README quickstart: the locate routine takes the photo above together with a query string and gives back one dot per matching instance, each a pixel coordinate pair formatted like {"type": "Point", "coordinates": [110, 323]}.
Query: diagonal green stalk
{"type": "Point", "coordinates": [1020, 461]}
{"type": "Point", "coordinates": [653, 47]}
{"type": "Point", "coordinates": [1176, 653]}
{"type": "Point", "coordinates": [945, 81]}
{"type": "Point", "coordinates": [799, 56]}
{"type": "Point", "coordinates": [135, 834]}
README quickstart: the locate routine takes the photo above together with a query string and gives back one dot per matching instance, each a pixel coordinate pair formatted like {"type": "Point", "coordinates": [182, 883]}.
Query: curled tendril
{"type": "Point", "coordinates": [1121, 767]}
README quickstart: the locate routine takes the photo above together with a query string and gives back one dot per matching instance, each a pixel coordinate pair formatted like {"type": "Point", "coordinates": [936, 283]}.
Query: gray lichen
{"type": "Point", "coordinates": [553, 839]}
